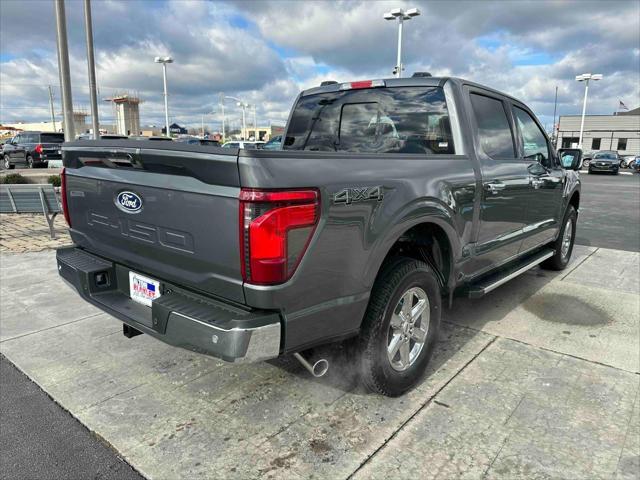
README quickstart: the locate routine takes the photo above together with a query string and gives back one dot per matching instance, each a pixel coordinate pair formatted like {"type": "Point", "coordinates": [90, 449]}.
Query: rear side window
{"type": "Point", "coordinates": [494, 132]}
{"type": "Point", "coordinates": [380, 120]}
{"type": "Point", "coordinates": [533, 140]}
{"type": "Point", "coordinates": [51, 138]}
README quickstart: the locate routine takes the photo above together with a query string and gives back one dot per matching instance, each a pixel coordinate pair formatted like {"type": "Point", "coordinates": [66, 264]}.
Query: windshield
{"type": "Point", "coordinates": [605, 156]}
{"type": "Point", "coordinates": [52, 137]}
{"type": "Point", "coordinates": [376, 120]}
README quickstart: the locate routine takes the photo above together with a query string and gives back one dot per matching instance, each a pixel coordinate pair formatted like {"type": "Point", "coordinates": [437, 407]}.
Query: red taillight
{"type": "Point", "coordinates": [63, 195]}
{"type": "Point", "coordinates": [362, 84]}
{"type": "Point", "coordinates": [38, 148]}
{"type": "Point", "coordinates": [275, 229]}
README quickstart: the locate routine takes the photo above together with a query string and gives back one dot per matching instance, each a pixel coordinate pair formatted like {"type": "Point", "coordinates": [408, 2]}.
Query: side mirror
{"type": "Point", "coordinates": [570, 158]}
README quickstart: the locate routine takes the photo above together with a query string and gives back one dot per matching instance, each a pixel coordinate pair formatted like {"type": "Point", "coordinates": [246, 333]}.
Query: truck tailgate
{"type": "Point", "coordinates": [170, 211]}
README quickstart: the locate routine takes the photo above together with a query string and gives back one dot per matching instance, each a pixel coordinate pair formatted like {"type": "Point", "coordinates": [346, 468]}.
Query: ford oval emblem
{"type": "Point", "coordinates": [129, 202]}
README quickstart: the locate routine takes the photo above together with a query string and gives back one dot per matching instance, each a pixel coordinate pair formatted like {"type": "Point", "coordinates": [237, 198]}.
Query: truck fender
{"type": "Point", "coordinates": [427, 210]}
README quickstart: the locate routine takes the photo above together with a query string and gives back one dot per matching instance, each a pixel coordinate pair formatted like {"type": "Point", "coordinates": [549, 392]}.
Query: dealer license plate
{"type": "Point", "coordinates": [143, 289]}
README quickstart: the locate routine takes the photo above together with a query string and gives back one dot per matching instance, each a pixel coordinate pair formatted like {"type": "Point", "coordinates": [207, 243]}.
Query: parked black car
{"type": "Point", "coordinates": [605, 161]}
{"type": "Point", "coordinates": [32, 149]}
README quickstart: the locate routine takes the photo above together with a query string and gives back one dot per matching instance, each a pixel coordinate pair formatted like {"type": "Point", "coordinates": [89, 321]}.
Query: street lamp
{"type": "Point", "coordinates": [585, 77]}
{"type": "Point", "coordinates": [401, 15]}
{"type": "Point", "coordinates": [164, 61]}
{"type": "Point", "coordinates": [240, 103]}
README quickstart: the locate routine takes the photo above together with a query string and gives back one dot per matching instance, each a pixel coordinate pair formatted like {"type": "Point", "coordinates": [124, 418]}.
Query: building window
{"type": "Point", "coordinates": [568, 141]}
{"type": "Point", "coordinates": [595, 144]}
{"type": "Point", "coordinates": [622, 144]}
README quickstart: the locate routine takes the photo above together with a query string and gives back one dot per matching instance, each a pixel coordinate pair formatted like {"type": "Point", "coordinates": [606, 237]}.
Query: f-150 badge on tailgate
{"type": "Point", "coordinates": [358, 194]}
{"type": "Point", "coordinates": [129, 202]}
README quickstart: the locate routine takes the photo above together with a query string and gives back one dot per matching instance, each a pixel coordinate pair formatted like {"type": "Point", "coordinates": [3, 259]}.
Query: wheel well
{"type": "Point", "coordinates": [575, 200]}
{"type": "Point", "coordinates": [429, 243]}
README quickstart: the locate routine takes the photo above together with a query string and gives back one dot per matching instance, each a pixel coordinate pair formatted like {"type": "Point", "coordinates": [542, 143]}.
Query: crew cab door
{"type": "Point", "coordinates": [546, 180]}
{"type": "Point", "coordinates": [505, 180]}
{"type": "Point", "coordinates": [16, 153]}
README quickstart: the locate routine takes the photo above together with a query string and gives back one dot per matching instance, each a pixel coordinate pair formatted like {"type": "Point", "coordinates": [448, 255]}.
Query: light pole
{"type": "Point", "coordinates": [401, 15]}
{"type": "Point", "coordinates": [585, 77]}
{"type": "Point", "coordinates": [64, 72]}
{"type": "Point", "coordinates": [164, 61]}
{"type": "Point", "coordinates": [221, 102]}
{"type": "Point", "coordinates": [240, 103]}
{"type": "Point", "coordinates": [93, 94]}
{"type": "Point", "coordinates": [244, 119]}
{"type": "Point", "coordinates": [255, 124]}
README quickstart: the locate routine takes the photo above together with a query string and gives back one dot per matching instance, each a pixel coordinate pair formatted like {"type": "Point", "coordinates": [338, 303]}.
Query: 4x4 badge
{"type": "Point", "coordinates": [358, 194]}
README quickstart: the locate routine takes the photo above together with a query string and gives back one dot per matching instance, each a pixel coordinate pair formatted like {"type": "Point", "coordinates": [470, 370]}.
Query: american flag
{"type": "Point", "coordinates": [622, 106]}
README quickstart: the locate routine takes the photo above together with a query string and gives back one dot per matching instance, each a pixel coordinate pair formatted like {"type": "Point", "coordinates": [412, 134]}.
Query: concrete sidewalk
{"type": "Point", "coordinates": [538, 379]}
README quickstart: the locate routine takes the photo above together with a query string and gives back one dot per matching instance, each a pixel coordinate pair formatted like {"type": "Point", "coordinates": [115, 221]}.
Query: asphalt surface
{"type": "Point", "coordinates": [610, 211]}
{"type": "Point", "coordinates": [38, 439]}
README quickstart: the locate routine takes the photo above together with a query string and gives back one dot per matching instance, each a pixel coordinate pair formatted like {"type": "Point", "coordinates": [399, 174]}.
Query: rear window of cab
{"type": "Point", "coordinates": [377, 120]}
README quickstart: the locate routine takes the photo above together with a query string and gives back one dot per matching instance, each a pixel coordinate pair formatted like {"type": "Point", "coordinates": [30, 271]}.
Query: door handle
{"type": "Point", "coordinates": [536, 182]}
{"type": "Point", "coordinates": [494, 187]}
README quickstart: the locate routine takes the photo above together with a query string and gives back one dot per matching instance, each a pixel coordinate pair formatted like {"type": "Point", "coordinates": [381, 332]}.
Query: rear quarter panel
{"type": "Point", "coordinates": [329, 291]}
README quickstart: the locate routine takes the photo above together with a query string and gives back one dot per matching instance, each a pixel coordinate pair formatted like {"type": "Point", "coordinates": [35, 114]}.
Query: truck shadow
{"type": "Point", "coordinates": [462, 323]}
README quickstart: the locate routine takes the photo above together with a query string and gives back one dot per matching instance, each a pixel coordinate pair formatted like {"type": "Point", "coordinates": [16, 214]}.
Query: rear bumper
{"type": "Point", "coordinates": [178, 317]}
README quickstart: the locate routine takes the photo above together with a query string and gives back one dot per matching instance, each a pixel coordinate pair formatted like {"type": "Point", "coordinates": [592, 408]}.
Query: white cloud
{"type": "Point", "coordinates": [266, 52]}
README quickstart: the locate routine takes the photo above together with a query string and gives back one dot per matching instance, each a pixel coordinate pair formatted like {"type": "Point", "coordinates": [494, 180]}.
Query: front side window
{"type": "Point", "coordinates": [533, 140]}
{"type": "Point", "coordinates": [377, 120]}
{"type": "Point", "coordinates": [595, 144]}
{"type": "Point", "coordinates": [494, 132]}
{"type": "Point", "coordinates": [622, 144]}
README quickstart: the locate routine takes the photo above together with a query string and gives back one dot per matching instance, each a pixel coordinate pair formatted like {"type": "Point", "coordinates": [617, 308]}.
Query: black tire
{"type": "Point", "coordinates": [396, 278]}
{"type": "Point", "coordinates": [29, 161]}
{"type": "Point", "coordinates": [590, 172]}
{"type": "Point", "coordinates": [560, 260]}
{"type": "Point", "coordinates": [615, 172]}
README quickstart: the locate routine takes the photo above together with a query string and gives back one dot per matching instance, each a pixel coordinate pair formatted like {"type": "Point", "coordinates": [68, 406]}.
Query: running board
{"type": "Point", "coordinates": [494, 280]}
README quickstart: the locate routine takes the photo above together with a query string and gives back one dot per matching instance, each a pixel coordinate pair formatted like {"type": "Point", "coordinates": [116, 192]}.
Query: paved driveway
{"type": "Point", "coordinates": [539, 378]}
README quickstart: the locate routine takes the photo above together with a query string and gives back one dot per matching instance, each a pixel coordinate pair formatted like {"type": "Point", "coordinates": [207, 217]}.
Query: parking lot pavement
{"type": "Point", "coordinates": [610, 211]}
{"type": "Point", "coordinates": [32, 424]}
{"type": "Point", "coordinates": [538, 379]}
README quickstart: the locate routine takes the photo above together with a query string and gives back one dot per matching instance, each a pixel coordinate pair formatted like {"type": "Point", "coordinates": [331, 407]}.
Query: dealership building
{"type": "Point", "coordinates": [620, 132]}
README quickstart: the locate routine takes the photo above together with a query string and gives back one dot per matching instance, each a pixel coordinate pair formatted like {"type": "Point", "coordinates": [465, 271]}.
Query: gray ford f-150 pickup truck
{"type": "Point", "coordinates": [388, 196]}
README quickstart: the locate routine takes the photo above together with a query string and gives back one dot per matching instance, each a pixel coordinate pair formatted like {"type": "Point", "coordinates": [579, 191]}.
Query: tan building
{"type": "Point", "coordinates": [620, 132]}
{"type": "Point", "coordinates": [263, 133]}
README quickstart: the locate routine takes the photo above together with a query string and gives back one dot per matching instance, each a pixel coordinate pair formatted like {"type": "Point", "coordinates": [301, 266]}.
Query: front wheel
{"type": "Point", "coordinates": [563, 246]}
{"type": "Point", "coordinates": [7, 163]}
{"type": "Point", "coordinates": [400, 327]}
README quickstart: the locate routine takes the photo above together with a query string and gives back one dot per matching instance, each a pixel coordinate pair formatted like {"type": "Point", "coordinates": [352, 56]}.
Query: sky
{"type": "Point", "coordinates": [265, 52]}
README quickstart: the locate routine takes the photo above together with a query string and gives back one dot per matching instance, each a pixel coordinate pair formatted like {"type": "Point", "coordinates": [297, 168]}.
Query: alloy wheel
{"type": "Point", "coordinates": [408, 329]}
{"type": "Point", "coordinates": [566, 238]}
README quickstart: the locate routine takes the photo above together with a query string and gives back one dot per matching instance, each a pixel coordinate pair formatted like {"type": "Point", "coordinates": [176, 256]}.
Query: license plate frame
{"type": "Point", "coordinates": [143, 289]}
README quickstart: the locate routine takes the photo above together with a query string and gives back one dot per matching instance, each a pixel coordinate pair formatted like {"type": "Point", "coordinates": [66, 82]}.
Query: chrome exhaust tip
{"type": "Point", "coordinates": [318, 369]}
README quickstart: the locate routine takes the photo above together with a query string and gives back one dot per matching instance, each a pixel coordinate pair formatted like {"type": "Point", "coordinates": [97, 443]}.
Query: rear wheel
{"type": "Point", "coordinates": [563, 246]}
{"type": "Point", "coordinates": [400, 327]}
